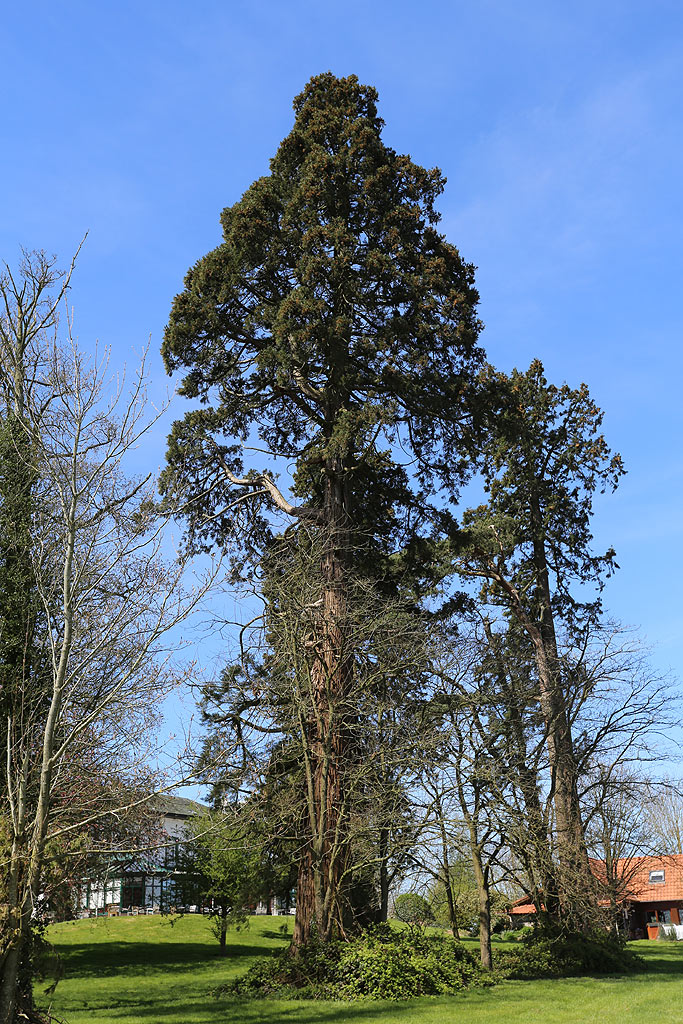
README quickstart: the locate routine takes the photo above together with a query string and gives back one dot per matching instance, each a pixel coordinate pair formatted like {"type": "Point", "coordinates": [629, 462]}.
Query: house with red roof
{"type": "Point", "coordinates": [648, 889]}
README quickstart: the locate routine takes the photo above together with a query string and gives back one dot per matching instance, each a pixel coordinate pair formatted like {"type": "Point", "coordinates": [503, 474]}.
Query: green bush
{"type": "Point", "coordinates": [385, 964]}
{"type": "Point", "coordinates": [511, 935]}
{"type": "Point", "coordinates": [381, 964]}
{"type": "Point", "coordinates": [411, 908]}
{"type": "Point", "coordinates": [563, 956]}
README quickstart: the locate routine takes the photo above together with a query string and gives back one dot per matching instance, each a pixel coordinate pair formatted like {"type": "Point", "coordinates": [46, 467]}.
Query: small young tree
{"type": "Point", "coordinates": [413, 909]}
{"type": "Point", "coordinates": [222, 866]}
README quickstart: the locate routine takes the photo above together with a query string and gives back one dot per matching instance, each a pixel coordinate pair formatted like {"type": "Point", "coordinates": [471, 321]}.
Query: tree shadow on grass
{"type": "Point", "coordinates": [665, 959]}
{"type": "Point", "coordinates": [108, 958]}
{"type": "Point", "coordinates": [280, 935]}
{"type": "Point", "coordinates": [256, 1011]}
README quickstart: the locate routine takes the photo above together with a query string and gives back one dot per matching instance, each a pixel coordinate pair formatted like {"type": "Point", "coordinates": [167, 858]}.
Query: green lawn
{"type": "Point", "coordinates": [148, 970]}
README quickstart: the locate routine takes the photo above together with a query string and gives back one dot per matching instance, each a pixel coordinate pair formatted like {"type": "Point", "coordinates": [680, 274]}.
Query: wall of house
{"type": "Point", "coordinates": [100, 894]}
{"type": "Point", "coordinates": [653, 912]}
{"type": "Point", "coordinates": [148, 887]}
{"type": "Point", "coordinates": [275, 905]}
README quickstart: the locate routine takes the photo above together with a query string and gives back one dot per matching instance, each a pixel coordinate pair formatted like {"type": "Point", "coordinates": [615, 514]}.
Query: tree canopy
{"type": "Point", "coordinates": [335, 324]}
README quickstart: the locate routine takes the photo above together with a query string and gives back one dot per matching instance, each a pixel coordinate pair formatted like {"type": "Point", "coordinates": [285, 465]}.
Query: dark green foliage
{"type": "Point", "coordinates": [564, 956]}
{"type": "Point", "coordinates": [23, 672]}
{"type": "Point", "coordinates": [332, 321]}
{"type": "Point", "coordinates": [382, 964]}
{"type": "Point", "coordinates": [20, 610]}
{"type": "Point", "coordinates": [400, 965]}
{"type": "Point", "coordinates": [310, 974]}
{"type": "Point", "coordinates": [544, 459]}
{"type": "Point", "coordinates": [333, 332]}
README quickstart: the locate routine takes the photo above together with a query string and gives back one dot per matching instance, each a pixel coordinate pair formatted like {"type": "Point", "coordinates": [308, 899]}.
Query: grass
{"type": "Point", "coordinates": [152, 971]}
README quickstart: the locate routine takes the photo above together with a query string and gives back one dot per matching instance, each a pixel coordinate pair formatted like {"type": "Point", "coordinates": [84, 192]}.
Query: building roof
{"type": "Point", "coordinates": [521, 907]}
{"type": "Point", "coordinates": [634, 873]}
{"type": "Point", "coordinates": [177, 806]}
{"type": "Point", "coordinates": [634, 876]}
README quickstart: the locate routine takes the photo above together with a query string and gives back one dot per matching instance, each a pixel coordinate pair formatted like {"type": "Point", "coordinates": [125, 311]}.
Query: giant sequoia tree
{"type": "Point", "coordinates": [334, 329]}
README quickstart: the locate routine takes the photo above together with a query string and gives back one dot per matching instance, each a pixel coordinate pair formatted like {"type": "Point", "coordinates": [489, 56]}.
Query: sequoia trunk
{"type": "Point", "coordinates": [321, 867]}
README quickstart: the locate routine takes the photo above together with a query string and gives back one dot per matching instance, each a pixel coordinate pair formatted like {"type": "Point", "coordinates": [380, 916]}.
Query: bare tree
{"type": "Point", "coordinates": [665, 816]}
{"type": "Point", "coordinates": [102, 599]}
{"type": "Point", "coordinates": [443, 841]}
{"type": "Point", "coordinates": [483, 787]}
{"type": "Point", "coordinates": [494, 776]}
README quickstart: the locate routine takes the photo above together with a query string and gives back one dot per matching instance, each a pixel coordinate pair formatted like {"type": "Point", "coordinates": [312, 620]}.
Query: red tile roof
{"type": "Point", "coordinates": [634, 873]}
{"type": "Point", "coordinates": [522, 908]}
{"type": "Point", "coordinates": [634, 876]}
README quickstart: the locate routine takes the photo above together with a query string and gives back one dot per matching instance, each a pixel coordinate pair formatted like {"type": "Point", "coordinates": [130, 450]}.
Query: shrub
{"type": "Point", "coordinates": [411, 908]}
{"type": "Point", "coordinates": [381, 964]}
{"type": "Point", "coordinates": [511, 935]}
{"type": "Point", "coordinates": [545, 956]}
{"type": "Point", "coordinates": [385, 964]}
{"type": "Point", "coordinates": [311, 974]}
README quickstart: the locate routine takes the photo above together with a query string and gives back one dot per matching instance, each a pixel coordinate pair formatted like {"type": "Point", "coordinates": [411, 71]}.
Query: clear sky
{"type": "Point", "coordinates": [558, 127]}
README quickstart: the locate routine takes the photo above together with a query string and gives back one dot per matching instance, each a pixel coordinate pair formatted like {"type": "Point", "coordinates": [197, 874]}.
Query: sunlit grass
{"type": "Point", "coordinates": [154, 969]}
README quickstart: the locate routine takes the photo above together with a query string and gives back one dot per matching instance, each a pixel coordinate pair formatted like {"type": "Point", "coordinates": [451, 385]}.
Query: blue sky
{"type": "Point", "coordinates": [558, 127]}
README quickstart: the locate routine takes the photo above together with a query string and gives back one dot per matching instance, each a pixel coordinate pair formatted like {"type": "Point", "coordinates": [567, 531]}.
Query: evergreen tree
{"type": "Point", "coordinates": [543, 461]}
{"type": "Point", "coordinates": [335, 329]}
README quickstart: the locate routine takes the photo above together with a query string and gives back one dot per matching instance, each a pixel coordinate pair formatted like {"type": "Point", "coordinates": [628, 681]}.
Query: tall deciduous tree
{"type": "Point", "coordinates": [81, 660]}
{"type": "Point", "coordinates": [29, 301]}
{"type": "Point", "coordinates": [333, 329]}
